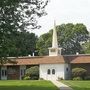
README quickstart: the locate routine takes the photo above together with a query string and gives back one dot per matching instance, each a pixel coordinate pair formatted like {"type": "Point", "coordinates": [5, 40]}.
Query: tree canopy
{"type": "Point", "coordinates": [17, 15]}
{"type": "Point", "coordinates": [70, 37]}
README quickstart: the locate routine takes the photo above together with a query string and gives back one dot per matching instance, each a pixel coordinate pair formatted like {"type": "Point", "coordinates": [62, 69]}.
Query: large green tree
{"type": "Point", "coordinates": [70, 37]}
{"type": "Point", "coordinates": [17, 15]}
{"type": "Point", "coordinates": [25, 44]}
{"type": "Point", "coordinates": [44, 41]}
{"type": "Point", "coordinates": [86, 45]}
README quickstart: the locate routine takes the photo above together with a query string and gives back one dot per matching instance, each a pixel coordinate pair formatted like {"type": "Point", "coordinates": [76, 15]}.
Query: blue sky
{"type": "Point", "coordinates": [65, 11]}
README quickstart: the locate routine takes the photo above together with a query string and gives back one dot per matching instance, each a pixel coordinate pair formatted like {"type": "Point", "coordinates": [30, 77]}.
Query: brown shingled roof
{"type": "Point", "coordinates": [81, 59]}
{"type": "Point", "coordinates": [38, 60]}
{"type": "Point", "coordinates": [51, 60]}
{"type": "Point", "coordinates": [77, 58]}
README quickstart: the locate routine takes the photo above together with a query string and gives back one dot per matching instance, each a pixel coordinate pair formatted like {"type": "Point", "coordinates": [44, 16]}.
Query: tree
{"type": "Point", "coordinates": [86, 47]}
{"type": "Point", "coordinates": [25, 44]}
{"type": "Point", "coordinates": [43, 43]}
{"type": "Point", "coordinates": [70, 37]}
{"type": "Point", "coordinates": [17, 15]}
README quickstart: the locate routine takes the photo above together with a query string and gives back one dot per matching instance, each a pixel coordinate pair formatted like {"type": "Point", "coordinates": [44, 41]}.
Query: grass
{"type": "Point", "coordinates": [78, 85]}
{"type": "Point", "coordinates": [26, 85]}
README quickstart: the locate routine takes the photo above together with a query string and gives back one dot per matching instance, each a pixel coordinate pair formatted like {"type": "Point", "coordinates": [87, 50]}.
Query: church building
{"type": "Point", "coordinates": [51, 67]}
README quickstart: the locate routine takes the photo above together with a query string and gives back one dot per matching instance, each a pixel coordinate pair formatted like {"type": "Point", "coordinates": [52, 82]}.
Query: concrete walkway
{"type": "Point", "coordinates": [61, 85]}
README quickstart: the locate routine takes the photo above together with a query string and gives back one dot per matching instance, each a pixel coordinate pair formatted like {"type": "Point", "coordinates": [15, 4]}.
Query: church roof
{"type": "Point", "coordinates": [73, 59]}
{"type": "Point", "coordinates": [76, 59]}
{"type": "Point", "coordinates": [37, 60]}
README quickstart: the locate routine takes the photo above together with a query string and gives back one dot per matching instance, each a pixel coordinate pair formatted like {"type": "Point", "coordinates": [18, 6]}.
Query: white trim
{"type": "Point", "coordinates": [4, 72]}
{"type": "Point", "coordinates": [22, 71]}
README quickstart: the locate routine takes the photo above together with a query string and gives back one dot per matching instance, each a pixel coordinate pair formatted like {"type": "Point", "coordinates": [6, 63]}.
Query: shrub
{"type": "Point", "coordinates": [77, 78]}
{"type": "Point", "coordinates": [26, 78]}
{"type": "Point", "coordinates": [87, 78]}
{"type": "Point", "coordinates": [79, 72]}
{"type": "Point", "coordinates": [41, 79]}
{"type": "Point", "coordinates": [33, 72]}
{"type": "Point", "coordinates": [60, 78]}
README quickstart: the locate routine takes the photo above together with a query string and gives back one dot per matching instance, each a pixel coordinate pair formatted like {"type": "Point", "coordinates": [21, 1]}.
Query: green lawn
{"type": "Point", "coordinates": [78, 85]}
{"type": "Point", "coordinates": [26, 85]}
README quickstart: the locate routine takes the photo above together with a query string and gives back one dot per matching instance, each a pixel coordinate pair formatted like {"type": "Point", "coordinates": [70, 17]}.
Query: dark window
{"type": "Point", "coordinates": [52, 50]}
{"type": "Point", "coordinates": [66, 69]}
{"type": "Point", "coordinates": [53, 71]}
{"type": "Point", "coordinates": [24, 71]}
{"type": "Point", "coordinates": [2, 72]}
{"type": "Point", "coordinates": [21, 72]}
{"type": "Point", "coordinates": [48, 71]}
{"type": "Point", "coordinates": [5, 73]}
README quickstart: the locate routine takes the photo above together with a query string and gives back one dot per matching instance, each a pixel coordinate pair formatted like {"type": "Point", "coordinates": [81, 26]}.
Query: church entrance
{"type": "Point", "coordinates": [51, 74]}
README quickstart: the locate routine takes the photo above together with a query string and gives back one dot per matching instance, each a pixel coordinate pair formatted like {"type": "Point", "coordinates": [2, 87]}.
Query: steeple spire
{"type": "Point", "coordinates": [54, 39]}
{"type": "Point", "coordinates": [54, 50]}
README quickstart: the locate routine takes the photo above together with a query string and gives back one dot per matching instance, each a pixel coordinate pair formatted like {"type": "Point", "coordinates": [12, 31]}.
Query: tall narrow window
{"type": "Point", "coordinates": [4, 73]}
{"type": "Point", "coordinates": [53, 71]}
{"type": "Point", "coordinates": [48, 71]}
{"type": "Point", "coordinates": [67, 69]}
{"type": "Point", "coordinates": [21, 72]}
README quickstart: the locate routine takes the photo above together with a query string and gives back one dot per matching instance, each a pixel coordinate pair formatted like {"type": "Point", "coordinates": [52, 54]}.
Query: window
{"type": "Point", "coordinates": [22, 72]}
{"type": "Point", "coordinates": [67, 69]}
{"type": "Point", "coordinates": [52, 50]}
{"type": "Point", "coordinates": [53, 71]}
{"type": "Point", "coordinates": [48, 71]}
{"type": "Point", "coordinates": [4, 73]}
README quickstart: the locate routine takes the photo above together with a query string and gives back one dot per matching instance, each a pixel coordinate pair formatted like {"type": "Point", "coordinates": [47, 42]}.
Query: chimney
{"type": "Point", "coordinates": [33, 54]}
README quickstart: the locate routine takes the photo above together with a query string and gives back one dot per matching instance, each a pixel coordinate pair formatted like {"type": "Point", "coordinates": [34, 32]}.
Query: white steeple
{"type": "Point", "coordinates": [54, 50]}
{"type": "Point", "coordinates": [54, 38]}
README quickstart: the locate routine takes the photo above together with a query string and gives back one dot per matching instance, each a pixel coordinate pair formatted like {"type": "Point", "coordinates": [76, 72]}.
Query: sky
{"type": "Point", "coordinates": [64, 11]}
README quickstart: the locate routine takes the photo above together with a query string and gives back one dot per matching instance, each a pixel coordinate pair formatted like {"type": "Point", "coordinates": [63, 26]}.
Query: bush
{"type": "Point", "coordinates": [26, 78]}
{"type": "Point", "coordinates": [41, 79]}
{"type": "Point", "coordinates": [79, 72]}
{"type": "Point", "coordinates": [60, 78]}
{"type": "Point", "coordinates": [77, 78]}
{"type": "Point", "coordinates": [33, 72]}
{"type": "Point", "coordinates": [87, 78]}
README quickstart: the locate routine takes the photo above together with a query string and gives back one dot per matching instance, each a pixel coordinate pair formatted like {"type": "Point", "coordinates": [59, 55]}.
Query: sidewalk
{"type": "Point", "coordinates": [61, 85]}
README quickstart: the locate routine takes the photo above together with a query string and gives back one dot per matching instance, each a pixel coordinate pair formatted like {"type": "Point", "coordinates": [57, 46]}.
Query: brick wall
{"type": "Point", "coordinates": [13, 72]}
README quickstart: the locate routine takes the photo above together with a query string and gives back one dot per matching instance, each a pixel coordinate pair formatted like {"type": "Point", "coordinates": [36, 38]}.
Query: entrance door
{"type": "Point", "coordinates": [51, 74]}
{"type": "Point", "coordinates": [3, 73]}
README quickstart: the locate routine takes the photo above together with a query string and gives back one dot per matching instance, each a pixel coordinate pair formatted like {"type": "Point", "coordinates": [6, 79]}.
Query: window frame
{"type": "Point", "coordinates": [53, 71]}
{"type": "Point", "coordinates": [48, 71]}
